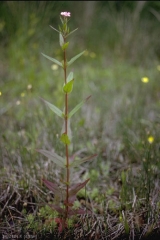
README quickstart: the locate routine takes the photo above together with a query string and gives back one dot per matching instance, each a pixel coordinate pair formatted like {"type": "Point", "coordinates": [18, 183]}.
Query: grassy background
{"type": "Point", "coordinates": [122, 47]}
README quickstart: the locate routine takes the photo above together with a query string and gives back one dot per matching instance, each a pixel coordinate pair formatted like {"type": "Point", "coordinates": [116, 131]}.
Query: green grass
{"type": "Point", "coordinates": [115, 123]}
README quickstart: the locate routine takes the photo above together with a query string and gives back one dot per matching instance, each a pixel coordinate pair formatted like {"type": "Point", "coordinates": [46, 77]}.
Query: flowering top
{"type": "Point", "coordinates": [66, 14]}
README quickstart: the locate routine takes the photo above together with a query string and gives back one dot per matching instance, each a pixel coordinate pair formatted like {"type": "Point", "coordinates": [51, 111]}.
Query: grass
{"type": "Point", "coordinates": [116, 123]}
{"type": "Point", "coordinates": [120, 123]}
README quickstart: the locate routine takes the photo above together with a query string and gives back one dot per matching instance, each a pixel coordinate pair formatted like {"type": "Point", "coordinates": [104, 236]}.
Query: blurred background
{"type": "Point", "coordinates": [123, 29]}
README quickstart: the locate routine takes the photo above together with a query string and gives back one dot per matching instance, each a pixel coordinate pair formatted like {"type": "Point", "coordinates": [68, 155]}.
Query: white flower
{"type": "Point", "coordinates": [66, 14]}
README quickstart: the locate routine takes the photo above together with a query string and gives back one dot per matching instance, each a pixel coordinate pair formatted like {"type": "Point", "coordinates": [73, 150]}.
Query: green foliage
{"type": "Point", "coordinates": [31, 222]}
{"type": "Point", "coordinates": [65, 46]}
{"type": "Point", "coordinates": [44, 220]}
{"type": "Point", "coordinates": [53, 156]}
{"type": "Point", "coordinates": [124, 188]}
{"type": "Point", "coordinates": [54, 109]}
{"type": "Point", "coordinates": [123, 220]}
{"type": "Point", "coordinates": [94, 193]}
{"type": "Point", "coordinates": [74, 110]}
{"type": "Point", "coordinates": [53, 60]}
{"type": "Point", "coordinates": [65, 139]}
{"type": "Point", "coordinates": [67, 88]}
{"type": "Point", "coordinates": [75, 58]}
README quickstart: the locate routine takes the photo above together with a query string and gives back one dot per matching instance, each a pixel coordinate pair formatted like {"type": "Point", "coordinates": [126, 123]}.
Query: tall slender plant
{"type": "Point", "coordinates": [65, 191]}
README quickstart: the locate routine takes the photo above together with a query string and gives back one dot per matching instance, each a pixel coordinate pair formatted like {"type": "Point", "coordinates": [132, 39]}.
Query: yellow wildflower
{"type": "Point", "coordinates": [145, 79]}
{"type": "Point", "coordinates": [150, 139]}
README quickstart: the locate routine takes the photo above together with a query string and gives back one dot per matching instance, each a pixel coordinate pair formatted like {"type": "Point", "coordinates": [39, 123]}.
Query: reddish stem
{"type": "Point", "coordinates": [66, 131]}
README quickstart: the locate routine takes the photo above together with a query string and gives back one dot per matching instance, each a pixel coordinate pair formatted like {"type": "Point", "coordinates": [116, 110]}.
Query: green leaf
{"type": "Point", "coordinates": [75, 163]}
{"type": "Point", "coordinates": [126, 226]}
{"type": "Point", "coordinates": [74, 110]}
{"type": "Point", "coordinates": [54, 108]}
{"type": "Point", "coordinates": [61, 40]}
{"type": "Point", "coordinates": [53, 156]}
{"type": "Point", "coordinates": [65, 139]}
{"type": "Point", "coordinates": [75, 58]}
{"type": "Point", "coordinates": [67, 88]}
{"type": "Point", "coordinates": [54, 29]}
{"type": "Point", "coordinates": [61, 20]}
{"type": "Point", "coordinates": [123, 176]}
{"type": "Point", "coordinates": [64, 26]}
{"type": "Point", "coordinates": [69, 132]}
{"type": "Point", "coordinates": [65, 46]}
{"type": "Point", "coordinates": [53, 60]}
{"type": "Point", "coordinates": [71, 32]}
{"type": "Point", "coordinates": [60, 29]}
{"type": "Point", "coordinates": [70, 77]}
{"type": "Point", "coordinates": [67, 30]}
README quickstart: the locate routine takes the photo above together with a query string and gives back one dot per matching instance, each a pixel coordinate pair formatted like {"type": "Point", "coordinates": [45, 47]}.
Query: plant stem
{"type": "Point", "coordinates": [66, 131]}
